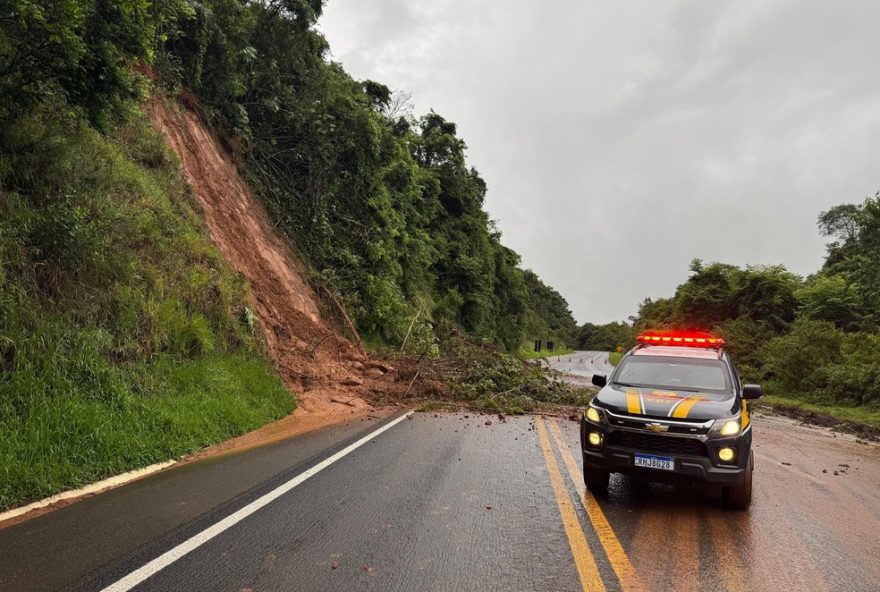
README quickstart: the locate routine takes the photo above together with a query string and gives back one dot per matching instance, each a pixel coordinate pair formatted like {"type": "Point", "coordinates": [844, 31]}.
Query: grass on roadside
{"type": "Point", "coordinates": [125, 339]}
{"type": "Point", "coordinates": [614, 357]}
{"type": "Point", "coordinates": [867, 415]}
{"type": "Point", "coordinates": [528, 353]}
{"type": "Point", "coordinates": [170, 408]}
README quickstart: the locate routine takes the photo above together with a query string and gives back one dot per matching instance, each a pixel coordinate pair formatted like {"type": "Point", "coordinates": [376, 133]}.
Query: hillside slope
{"type": "Point", "coordinates": [124, 336]}
{"type": "Point", "coordinates": [313, 359]}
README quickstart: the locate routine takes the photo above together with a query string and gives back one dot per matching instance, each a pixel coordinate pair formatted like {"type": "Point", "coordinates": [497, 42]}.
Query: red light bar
{"type": "Point", "coordinates": [680, 338]}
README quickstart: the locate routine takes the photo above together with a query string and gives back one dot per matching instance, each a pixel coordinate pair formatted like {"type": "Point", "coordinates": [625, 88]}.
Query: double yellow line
{"type": "Point", "coordinates": [585, 563]}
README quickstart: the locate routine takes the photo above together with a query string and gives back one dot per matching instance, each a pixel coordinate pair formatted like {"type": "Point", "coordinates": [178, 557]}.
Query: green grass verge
{"type": "Point", "coordinates": [125, 339]}
{"type": "Point", "coordinates": [528, 353]}
{"type": "Point", "coordinates": [614, 357]}
{"type": "Point", "coordinates": [52, 443]}
{"type": "Point", "coordinates": [864, 415]}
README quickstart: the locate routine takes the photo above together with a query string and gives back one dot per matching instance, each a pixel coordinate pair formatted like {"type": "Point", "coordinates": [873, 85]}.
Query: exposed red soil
{"type": "Point", "coordinates": [331, 377]}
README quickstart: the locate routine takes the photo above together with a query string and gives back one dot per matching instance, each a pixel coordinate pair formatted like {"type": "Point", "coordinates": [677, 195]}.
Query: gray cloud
{"type": "Point", "coordinates": [621, 140]}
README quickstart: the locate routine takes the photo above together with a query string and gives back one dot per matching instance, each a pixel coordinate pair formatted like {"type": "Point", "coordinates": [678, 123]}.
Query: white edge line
{"type": "Point", "coordinates": [96, 487]}
{"type": "Point", "coordinates": [162, 561]}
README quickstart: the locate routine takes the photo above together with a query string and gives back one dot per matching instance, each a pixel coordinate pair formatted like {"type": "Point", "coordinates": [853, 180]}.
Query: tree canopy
{"type": "Point", "coordinates": [815, 337]}
{"type": "Point", "coordinates": [382, 205]}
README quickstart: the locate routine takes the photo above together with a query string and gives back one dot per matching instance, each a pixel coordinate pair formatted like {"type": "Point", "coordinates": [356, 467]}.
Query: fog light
{"type": "Point", "coordinates": [726, 454]}
{"type": "Point", "coordinates": [595, 438]}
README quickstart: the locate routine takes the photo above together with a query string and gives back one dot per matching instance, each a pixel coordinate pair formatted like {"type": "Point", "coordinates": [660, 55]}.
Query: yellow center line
{"type": "Point", "coordinates": [626, 573]}
{"type": "Point", "coordinates": [583, 558]}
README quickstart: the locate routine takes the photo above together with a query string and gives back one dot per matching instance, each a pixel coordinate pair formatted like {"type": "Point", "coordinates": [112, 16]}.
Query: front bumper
{"type": "Point", "coordinates": [689, 468]}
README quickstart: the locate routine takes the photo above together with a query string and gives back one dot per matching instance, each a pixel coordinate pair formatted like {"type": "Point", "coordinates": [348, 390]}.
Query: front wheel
{"type": "Point", "coordinates": [596, 480]}
{"type": "Point", "coordinates": [739, 497]}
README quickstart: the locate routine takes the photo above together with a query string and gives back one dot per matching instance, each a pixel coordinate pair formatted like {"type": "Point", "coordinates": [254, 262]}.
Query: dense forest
{"type": "Point", "coordinates": [125, 338]}
{"type": "Point", "coordinates": [381, 204]}
{"type": "Point", "coordinates": [816, 338]}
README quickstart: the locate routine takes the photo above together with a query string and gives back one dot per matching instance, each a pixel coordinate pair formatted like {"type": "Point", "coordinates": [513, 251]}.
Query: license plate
{"type": "Point", "coordinates": [649, 461]}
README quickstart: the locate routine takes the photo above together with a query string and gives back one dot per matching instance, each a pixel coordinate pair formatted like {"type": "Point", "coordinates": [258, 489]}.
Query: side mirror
{"type": "Point", "coordinates": [600, 379]}
{"type": "Point", "coordinates": [752, 391]}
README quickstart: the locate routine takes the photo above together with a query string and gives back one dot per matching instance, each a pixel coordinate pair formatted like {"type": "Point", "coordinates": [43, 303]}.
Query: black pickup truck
{"type": "Point", "coordinates": [673, 410]}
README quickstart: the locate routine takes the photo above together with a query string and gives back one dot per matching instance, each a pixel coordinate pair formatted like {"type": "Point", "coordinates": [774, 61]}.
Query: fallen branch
{"type": "Point", "coordinates": [344, 315]}
{"type": "Point", "coordinates": [341, 402]}
{"type": "Point", "coordinates": [411, 382]}
{"type": "Point", "coordinates": [314, 348]}
{"type": "Point", "coordinates": [408, 331]}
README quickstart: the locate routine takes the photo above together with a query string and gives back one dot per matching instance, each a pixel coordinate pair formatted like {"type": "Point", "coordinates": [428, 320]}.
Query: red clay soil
{"type": "Point", "coordinates": [332, 378]}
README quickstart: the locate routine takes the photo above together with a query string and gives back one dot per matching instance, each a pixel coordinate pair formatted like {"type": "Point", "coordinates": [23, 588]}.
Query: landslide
{"type": "Point", "coordinates": [328, 373]}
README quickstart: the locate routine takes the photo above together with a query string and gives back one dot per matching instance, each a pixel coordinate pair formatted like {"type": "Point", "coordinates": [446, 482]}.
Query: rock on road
{"type": "Point", "coordinates": [463, 502]}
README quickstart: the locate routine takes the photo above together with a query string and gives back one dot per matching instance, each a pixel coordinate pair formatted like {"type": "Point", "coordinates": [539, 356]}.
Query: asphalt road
{"type": "Point", "coordinates": [447, 502]}
{"type": "Point", "coordinates": [579, 367]}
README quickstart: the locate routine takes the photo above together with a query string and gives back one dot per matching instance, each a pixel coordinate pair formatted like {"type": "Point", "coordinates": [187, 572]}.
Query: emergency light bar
{"type": "Point", "coordinates": [690, 338]}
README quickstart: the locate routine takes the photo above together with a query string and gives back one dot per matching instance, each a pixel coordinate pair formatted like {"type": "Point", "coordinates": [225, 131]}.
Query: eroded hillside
{"type": "Point", "coordinates": [327, 372]}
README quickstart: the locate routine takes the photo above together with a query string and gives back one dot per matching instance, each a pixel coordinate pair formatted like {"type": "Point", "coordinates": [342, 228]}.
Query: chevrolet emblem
{"type": "Point", "coordinates": [657, 427]}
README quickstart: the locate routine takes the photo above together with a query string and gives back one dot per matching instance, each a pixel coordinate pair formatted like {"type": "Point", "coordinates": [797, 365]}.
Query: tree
{"type": "Point", "coordinates": [708, 297]}
{"type": "Point", "coordinates": [830, 297]}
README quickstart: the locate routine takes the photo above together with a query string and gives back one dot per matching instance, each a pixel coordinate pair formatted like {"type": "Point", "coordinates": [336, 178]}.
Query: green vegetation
{"type": "Point", "coordinates": [485, 379]}
{"type": "Point", "coordinates": [382, 205]}
{"type": "Point", "coordinates": [843, 418]}
{"type": "Point", "coordinates": [124, 338]}
{"type": "Point", "coordinates": [815, 340]}
{"type": "Point", "coordinates": [614, 357]}
{"type": "Point", "coordinates": [606, 337]}
{"type": "Point", "coordinates": [527, 352]}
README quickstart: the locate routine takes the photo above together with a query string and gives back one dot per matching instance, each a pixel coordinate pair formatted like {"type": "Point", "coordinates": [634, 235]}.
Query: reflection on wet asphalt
{"type": "Point", "coordinates": [806, 530]}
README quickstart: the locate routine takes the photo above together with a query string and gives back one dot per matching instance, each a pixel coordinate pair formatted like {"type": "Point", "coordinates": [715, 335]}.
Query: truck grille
{"type": "Point", "coordinates": [696, 428]}
{"type": "Point", "coordinates": [657, 443]}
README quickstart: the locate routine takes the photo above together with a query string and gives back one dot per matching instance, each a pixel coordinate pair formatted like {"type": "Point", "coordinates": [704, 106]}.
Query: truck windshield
{"type": "Point", "coordinates": [688, 374]}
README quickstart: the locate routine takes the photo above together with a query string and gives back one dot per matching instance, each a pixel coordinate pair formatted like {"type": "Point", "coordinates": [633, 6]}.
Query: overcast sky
{"type": "Point", "coordinates": [620, 140]}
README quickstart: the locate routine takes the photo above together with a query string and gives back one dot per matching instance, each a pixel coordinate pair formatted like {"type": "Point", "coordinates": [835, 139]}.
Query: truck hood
{"type": "Point", "coordinates": [667, 404]}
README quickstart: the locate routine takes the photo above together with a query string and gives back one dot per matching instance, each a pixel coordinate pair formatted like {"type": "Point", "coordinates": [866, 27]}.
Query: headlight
{"type": "Point", "coordinates": [724, 428]}
{"type": "Point", "coordinates": [595, 415]}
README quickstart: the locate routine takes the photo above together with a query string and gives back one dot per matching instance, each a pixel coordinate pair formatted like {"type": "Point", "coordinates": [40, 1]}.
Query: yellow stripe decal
{"type": "Point", "coordinates": [633, 405]}
{"type": "Point", "coordinates": [626, 573]}
{"type": "Point", "coordinates": [745, 415]}
{"type": "Point", "coordinates": [685, 408]}
{"type": "Point", "coordinates": [583, 558]}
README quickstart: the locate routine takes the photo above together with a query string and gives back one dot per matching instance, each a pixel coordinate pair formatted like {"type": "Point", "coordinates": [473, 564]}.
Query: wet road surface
{"type": "Point", "coordinates": [447, 502]}
{"type": "Point", "coordinates": [579, 367]}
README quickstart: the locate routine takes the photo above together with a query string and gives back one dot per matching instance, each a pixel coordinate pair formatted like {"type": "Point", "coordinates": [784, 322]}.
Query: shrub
{"type": "Point", "coordinates": [792, 359]}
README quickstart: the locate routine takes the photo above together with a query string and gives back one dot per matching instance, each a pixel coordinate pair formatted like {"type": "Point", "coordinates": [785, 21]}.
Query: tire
{"type": "Point", "coordinates": [596, 480]}
{"type": "Point", "coordinates": [739, 497]}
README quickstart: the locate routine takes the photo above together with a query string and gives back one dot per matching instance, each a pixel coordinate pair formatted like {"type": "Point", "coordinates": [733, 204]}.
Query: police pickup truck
{"type": "Point", "coordinates": [673, 410]}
